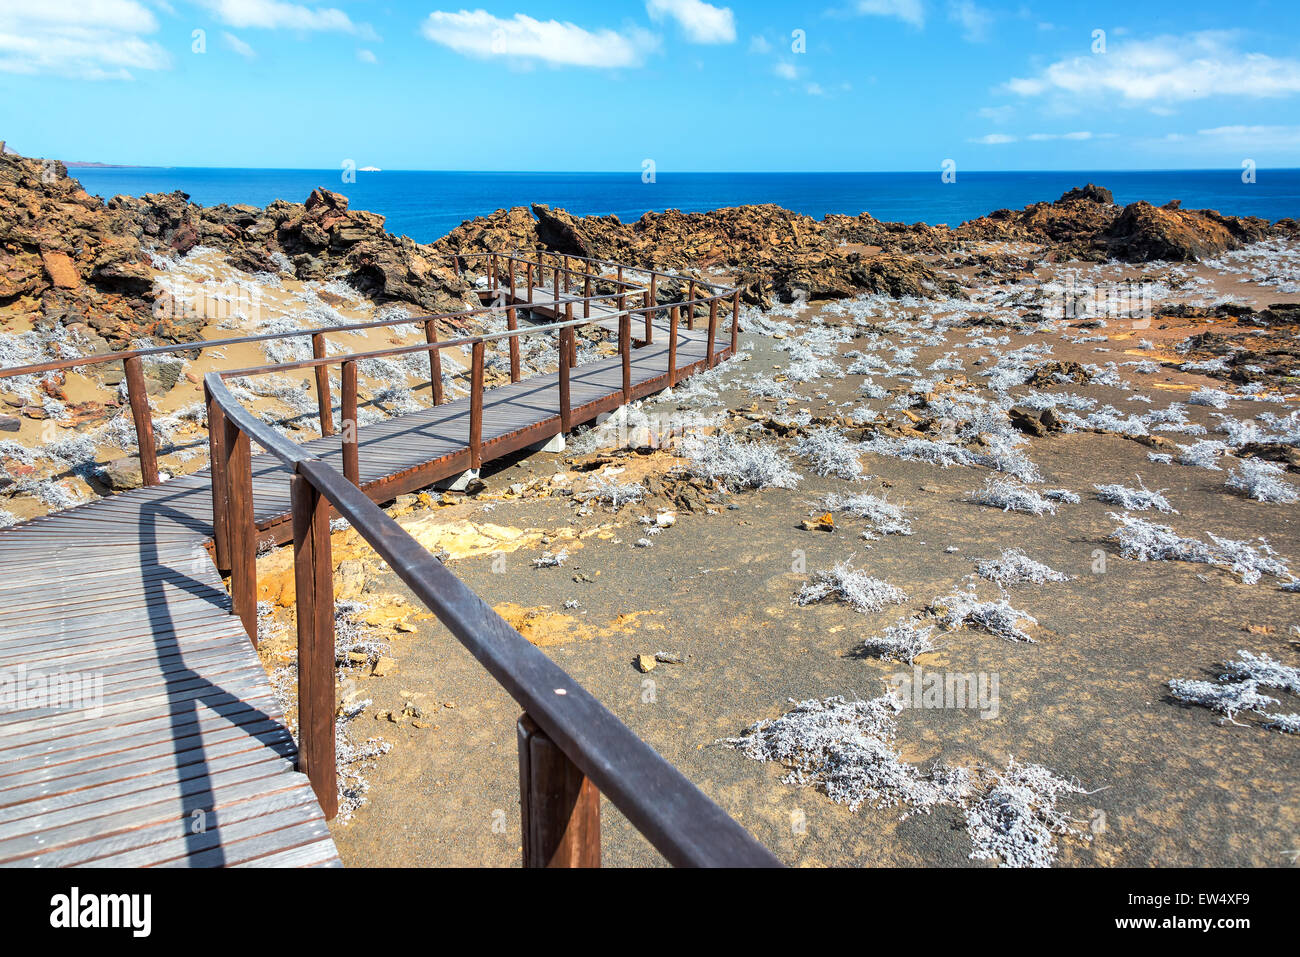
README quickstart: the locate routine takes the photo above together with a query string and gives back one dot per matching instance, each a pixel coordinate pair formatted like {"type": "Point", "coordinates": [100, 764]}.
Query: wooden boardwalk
{"type": "Point", "coordinates": [164, 744]}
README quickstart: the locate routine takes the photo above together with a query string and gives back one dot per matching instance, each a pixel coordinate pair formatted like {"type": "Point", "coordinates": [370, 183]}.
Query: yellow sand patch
{"type": "Point", "coordinates": [631, 621]}
{"type": "Point", "coordinates": [544, 626]}
{"type": "Point", "coordinates": [465, 539]}
{"type": "Point", "coordinates": [541, 625]}
{"type": "Point", "coordinates": [388, 611]}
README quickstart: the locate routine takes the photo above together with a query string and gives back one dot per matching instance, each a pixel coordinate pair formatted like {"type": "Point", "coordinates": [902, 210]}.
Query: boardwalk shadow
{"type": "Point", "coordinates": [196, 809]}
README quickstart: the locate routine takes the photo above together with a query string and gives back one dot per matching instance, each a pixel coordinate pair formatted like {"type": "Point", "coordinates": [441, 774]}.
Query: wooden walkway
{"type": "Point", "coordinates": [164, 744]}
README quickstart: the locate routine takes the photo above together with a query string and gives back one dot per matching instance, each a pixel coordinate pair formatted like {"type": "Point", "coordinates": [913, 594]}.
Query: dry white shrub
{"type": "Point", "coordinates": [1148, 542]}
{"type": "Point", "coordinates": [852, 586]}
{"type": "Point", "coordinates": [1017, 819]}
{"type": "Point", "coordinates": [962, 608]}
{"type": "Point", "coordinates": [846, 749]}
{"type": "Point", "coordinates": [830, 452]}
{"type": "Point", "coordinates": [901, 642]}
{"type": "Point", "coordinates": [1014, 567]}
{"type": "Point", "coordinates": [1012, 497]}
{"type": "Point", "coordinates": [723, 457]}
{"type": "Point", "coordinates": [1263, 481]}
{"type": "Point", "coordinates": [1140, 499]}
{"type": "Point", "coordinates": [885, 517]}
{"type": "Point", "coordinates": [607, 491]}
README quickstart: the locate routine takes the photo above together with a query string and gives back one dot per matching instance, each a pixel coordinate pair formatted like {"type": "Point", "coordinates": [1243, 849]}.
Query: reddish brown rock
{"type": "Point", "coordinates": [61, 270]}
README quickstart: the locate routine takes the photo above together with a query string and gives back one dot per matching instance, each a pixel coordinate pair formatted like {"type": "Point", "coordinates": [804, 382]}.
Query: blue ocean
{"type": "Point", "coordinates": [427, 204]}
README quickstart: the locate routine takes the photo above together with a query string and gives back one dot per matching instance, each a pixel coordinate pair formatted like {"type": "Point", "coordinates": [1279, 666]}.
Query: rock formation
{"type": "Point", "coordinates": [68, 258]}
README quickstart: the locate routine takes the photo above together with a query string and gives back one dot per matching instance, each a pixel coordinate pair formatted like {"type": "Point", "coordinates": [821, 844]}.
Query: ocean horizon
{"type": "Point", "coordinates": [426, 205]}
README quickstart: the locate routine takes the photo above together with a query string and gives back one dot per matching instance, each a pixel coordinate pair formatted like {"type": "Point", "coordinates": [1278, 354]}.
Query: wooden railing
{"type": "Point", "coordinates": [563, 275]}
{"type": "Point", "coordinates": [571, 748]}
{"type": "Point", "coordinates": [234, 547]}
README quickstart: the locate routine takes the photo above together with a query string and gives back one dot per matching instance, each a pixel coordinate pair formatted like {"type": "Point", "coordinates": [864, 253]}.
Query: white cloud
{"type": "Point", "coordinates": [994, 139]}
{"type": "Point", "coordinates": [1043, 137]}
{"type": "Point", "coordinates": [702, 22]}
{"type": "Point", "coordinates": [1167, 69]}
{"type": "Point", "coordinates": [91, 40]}
{"type": "Point", "coordinates": [480, 34]}
{"type": "Point", "coordinates": [275, 14]}
{"type": "Point", "coordinates": [759, 44]}
{"type": "Point", "coordinates": [1254, 137]}
{"type": "Point", "coordinates": [238, 45]}
{"type": "Point", "coordinates": [974, 20]}
{"type": "Point", "coordinates": [814, 89]}
{"type": "Point", "coordinates": [998, 114]}
{"type": "Point", "coordinates": [786, 71]}
{"type": "Point", "coordinates": [909, 11]}
{"type": "Point", "coordinates": [367, 56]}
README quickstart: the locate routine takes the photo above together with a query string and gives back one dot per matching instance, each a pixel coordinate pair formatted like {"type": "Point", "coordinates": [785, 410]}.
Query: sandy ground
{"type": "Point", "coordinates": [1168, 783]}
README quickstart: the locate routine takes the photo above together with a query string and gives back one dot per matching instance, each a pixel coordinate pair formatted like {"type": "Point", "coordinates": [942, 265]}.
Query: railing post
{"type": "Point", "coordinates": [556, 280]}
{"type": "Point", "coordinates": [690, 309]}
{"type": "Point", "coordinates": [512, 278]}
{"type": "Point", "coordinates": [573, 336]}
{"type": "Point", "coordinates": [649, 328]}
{"type": "Point", "coordinates": [322, 385]}
{"type": "Point", "coordinates": [217, 475]}
{"type": "Point", "coordinates": [625, 349]}
{"type": "Point", "coordinates": [492, 271]}
{"type": "Point", "coordinates": [138, 396]}
{"type": "Point", "coordinates": [313, 569]}
{"type": "Point", "coordinates": [476, 406]}
{"type": "Point", "coordinates": [673, 315]}
{"type": "Point", "coordinates": [240, 525]}
{"type": "Point", "coordinates": [586, 296]}
{"type": "Point", "coordinates": [435, 359]}
{"type": "Point", "coordinates": [654, 306]}
{"type": "Point", "coordinates": [735, 321]}
{"type": "Point", "coordinates": [566, 337]}
{"type": "Point", "coordinates": [528, 278]}
{"type": "Point", "coordinates": [710, 358]}
{"type": "Point", "coordinates": [565, 260]}
{"type": "Point", "coordinates": [512, 323]}
{"type": "Point", "coordinates": [351, 458]}
{"type": "Point", "coordinates": [559, 806]}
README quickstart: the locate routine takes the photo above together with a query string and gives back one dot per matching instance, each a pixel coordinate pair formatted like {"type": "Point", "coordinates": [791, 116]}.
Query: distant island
{"type": "Point", "coordinates": [370, 169]}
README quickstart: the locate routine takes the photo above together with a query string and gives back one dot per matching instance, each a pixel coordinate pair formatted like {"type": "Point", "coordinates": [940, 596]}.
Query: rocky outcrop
{"type": "Point", "coordinates": [1086, 224]}
{"type": "Point", "coordinates": [1144, 232]}
{"type": "Point", "coordinates": [66, 258]}
{"type": "Point", "coordinates": [771, 250]}
{"type": "Point", "coordinates": [319, 239]}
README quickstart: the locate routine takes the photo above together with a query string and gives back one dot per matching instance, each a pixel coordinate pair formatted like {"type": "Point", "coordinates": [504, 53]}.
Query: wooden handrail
{"type": "Point", "coordinates": [571, 747]}
{"type": "Point", "coordinates": [441, 344]}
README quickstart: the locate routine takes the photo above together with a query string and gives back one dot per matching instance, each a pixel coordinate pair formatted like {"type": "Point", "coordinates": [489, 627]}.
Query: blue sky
{"type": "Point", "coordinates": [570, 85]}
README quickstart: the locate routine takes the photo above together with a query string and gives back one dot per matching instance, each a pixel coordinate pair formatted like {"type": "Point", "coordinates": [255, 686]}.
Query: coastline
{"type": "Point", "coordinates": [426, 205]}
